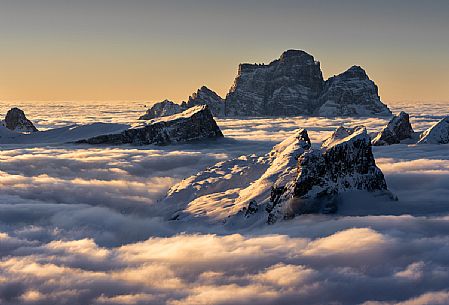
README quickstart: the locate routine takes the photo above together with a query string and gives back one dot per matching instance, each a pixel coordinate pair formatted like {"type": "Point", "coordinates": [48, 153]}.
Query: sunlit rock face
{"type": "Point", "coordinates": [195, 123]}
{"type": "Point", "coordinates": [161, 109]}
{"type": "Point", "coordinates": [398, 129]}
{"type": "Point", "coordinates": [236, 187]}
{"type": "Point", "coordinates": [437, 134]}
{"type": "Point", "coordinates": [17, 121]}
{"type": "Point", "coordinates": [205, 96]}
{"type": "Point", "coordinates": [351, 93]}
{"type": "Point", "coordinates": [288, 86]}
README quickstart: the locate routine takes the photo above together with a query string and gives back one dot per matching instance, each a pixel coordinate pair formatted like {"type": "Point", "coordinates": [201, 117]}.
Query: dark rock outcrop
{"type": "Point", "coordinates": [17, 121]}
{"type": "Point", "coordinates": [205, 96]}
{"type": "Point", "coordinates": [398, 129]}
{"type": "Point", "coordinates": [344, 163]}
{"type": "Point", "coordinates": [195, 123]}
{"type": "Point", "coordinates": [161, 109]}
{"type": "Point", "coordinates": [351, 93]}
{"type": "Point", "coordinates": [288, 86]}
{"type": "Point", "coordinates": [437, 134]}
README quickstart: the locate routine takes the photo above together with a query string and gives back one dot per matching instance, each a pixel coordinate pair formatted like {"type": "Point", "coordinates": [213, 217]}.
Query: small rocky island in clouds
{"type": "Point", "coordinates": [16, 120]}
{"type": "Point", "coordinates": [195, 123]}
{"type": "Point", "coordinates": [292, 85]}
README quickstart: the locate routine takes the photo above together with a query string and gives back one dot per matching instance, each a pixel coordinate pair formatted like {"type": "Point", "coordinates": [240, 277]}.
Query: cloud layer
{"type": "Point", "coordinates": [78, 225]}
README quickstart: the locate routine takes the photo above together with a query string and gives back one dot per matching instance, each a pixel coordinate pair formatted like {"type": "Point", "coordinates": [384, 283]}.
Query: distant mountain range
{"type": "Point", "coordinates": [292, 85]}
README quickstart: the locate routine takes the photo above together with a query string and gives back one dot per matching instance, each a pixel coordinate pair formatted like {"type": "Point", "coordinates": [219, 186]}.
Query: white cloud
{"type": "Point", "coordinates": [78, 225]}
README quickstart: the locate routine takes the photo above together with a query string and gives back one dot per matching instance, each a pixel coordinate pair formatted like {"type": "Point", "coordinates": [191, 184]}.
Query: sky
{"type": "Point", "coordinates": [151, 50]}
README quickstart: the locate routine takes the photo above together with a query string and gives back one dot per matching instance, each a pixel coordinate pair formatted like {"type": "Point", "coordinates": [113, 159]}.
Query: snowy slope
{"type": "Point", "coordinates": [228, 187]}
{"type": "Point", "coordinates": [292, 179]}
{"type": "Point", "coordinates": [437, 134]}
{"type": "Point", "coordinates": [60, 135]}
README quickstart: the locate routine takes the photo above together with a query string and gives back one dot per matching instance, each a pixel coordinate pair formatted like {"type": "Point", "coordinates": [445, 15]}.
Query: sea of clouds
{"type": "Point", "coordinates": [78, 225]}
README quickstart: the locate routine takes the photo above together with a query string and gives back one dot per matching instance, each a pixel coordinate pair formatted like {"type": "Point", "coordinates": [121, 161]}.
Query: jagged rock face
{"type": "Point", "coordinates": [344, 163]}
{"type": "Point", "coordinates": [288, 86]}
{"type": "Point", "coordinates": [205, 96]}
{"type": "Point", "coordinates": [17, 121]}
{"type": "Point", "coordinates": [161, 109]}
{"type": "Point", "coordinates": [195, 123]}
{"type": "Point", "coordinates": [437, 134]}
{"type": "Point", "coordinates": [351, 93]}
{"type": "Point", "coordinates": [398, 129]}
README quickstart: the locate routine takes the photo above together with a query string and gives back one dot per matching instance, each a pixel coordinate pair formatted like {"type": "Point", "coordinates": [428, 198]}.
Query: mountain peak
{"type": "Point", "coordinates": [16, 120]}
{"type": "Point", "coordinates": [294, 53]}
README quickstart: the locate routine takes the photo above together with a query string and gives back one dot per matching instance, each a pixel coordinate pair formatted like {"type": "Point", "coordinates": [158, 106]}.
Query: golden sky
{"type": "Point", "coordinates": [152, 50]}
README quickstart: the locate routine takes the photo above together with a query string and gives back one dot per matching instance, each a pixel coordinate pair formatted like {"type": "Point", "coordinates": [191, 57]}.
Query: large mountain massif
{"type": "Point", "coordinates": [289, 86]}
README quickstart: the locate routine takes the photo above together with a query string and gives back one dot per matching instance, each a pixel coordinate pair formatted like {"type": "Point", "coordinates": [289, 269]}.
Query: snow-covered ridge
{"type": "Point", "coordinates": [228, 187]}
{"type": "Point", "coordinates": [292, 179]}
{"type": "Point", "coordinates": [437, 134]}
{"type": "Point", "coordinates": [65, 134]}
{"type": "Point", "coordinates": [195, 123]}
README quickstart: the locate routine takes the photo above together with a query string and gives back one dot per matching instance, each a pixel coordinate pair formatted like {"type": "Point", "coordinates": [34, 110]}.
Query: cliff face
{"type": "Point", "coordinates": [288, 86]}
{"type": "Point", "coordinates": [351, 93]}
{"type": "Point", "coordinates": [294, 85]}
{"type": "Point", "coordinates": [193, 124]}
{"type": "Point", "coordinates": [344, 163]}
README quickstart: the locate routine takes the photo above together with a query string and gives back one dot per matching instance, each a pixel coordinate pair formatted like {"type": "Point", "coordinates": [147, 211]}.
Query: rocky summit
{"type": "Point", "coordinates": [437, 134]}
{"type": "Point", "coordinates": [161, 109]}
{"type": "Point", "coordinates": [205, 96]}
{"type": "Point", "coordinates": [344, 163]}
{"type": "Point", "coordinates": [288, 86]}
{"type": "Point", "coordinates": [398, 129]}
{"type": "Point", "coordinates": [351, 93]}
{"type": "Point", "coordinates": [16, 120]}
{"type": "Point", "coordinates": [195, 123]}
